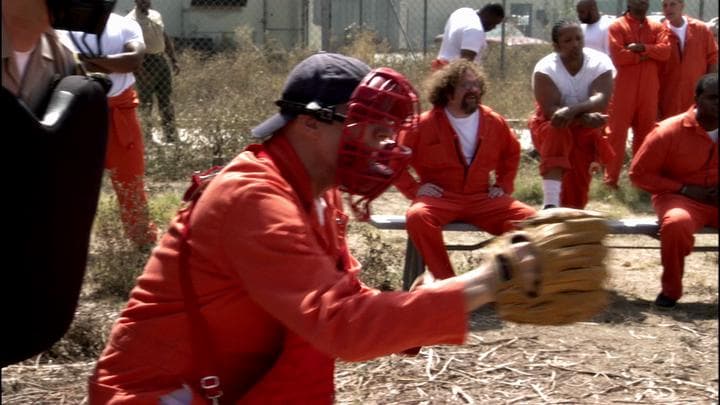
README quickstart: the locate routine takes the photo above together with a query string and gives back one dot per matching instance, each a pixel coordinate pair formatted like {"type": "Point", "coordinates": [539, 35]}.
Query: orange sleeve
{"type": "Point", "coordinates": [284, 269]}
{"type": "Point", "coordinates": [619, 55]}
{"type": "Point", "coordinates": [660, 50]}
{"type": "Point", "coordinates": [646, 169]}
{"type": "Point", "coordinates": [510, 158]}
{"type": "Point", "coordinates": [711, 48]}
{"type": "Point", "coordinates": [406, 183]}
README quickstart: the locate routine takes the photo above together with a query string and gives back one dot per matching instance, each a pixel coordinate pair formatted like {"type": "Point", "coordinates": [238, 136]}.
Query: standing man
{"type": "Point", "coordinates": [572, 88]}
{"type": "Point", "coordinates": [253, 292]}
{"type": "Point", "coordinates": [693, 53]}
{"type": "Point", "coordinates": [638, 45]}
{"type": "Point", "coordinates": [678, 164]}
{"type": "Point", "coordinates": [464, 35]}
{"type": "Point", "coordinates": [154, 77]}
{"type": "Point", "coordinates": [594, 25]}
{"type": "Point", "coordinates": [460, 143]}
{"type": "Point", "coordinates": [119, 52]}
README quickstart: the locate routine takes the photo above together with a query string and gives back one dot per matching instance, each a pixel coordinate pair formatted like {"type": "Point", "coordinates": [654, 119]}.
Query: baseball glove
{"type": "Point", "coordinates": [566, 283]}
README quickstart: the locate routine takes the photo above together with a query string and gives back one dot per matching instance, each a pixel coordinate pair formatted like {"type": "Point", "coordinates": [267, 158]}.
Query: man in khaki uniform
{"type": "Point", "coordinates": [31, 49]}
{"type": "Point", "coordinates": [153, 77]}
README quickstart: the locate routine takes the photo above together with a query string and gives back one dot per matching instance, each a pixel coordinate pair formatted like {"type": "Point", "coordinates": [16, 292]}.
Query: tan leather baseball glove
{"type": "Point", "coordinates": [567, 285]}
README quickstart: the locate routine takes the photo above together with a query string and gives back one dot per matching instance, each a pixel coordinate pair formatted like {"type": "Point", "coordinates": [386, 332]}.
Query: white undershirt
{"type": "Point", "coordinates": [467, 130]}
{"type": "Point", "coordinates": [21, 60]}
{"type": "Point", "coordinates": [680, 32]}
{"type": "Point", "coordinates": [713, 135]}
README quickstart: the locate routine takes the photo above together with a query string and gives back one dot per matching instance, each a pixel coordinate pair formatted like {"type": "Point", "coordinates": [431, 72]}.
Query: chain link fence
{"type": "Point", "coordinates": [234, 54]}
{"type": "Point", "coordinates": [407, 25]}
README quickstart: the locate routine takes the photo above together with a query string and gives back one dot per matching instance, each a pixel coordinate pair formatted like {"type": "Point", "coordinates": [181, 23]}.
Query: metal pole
{"type": "Point", "coordinates": [264, 22]}
{"type": "Point", "coordinates": [619, 10]}
{"type": "Point", "coordinates": [360, 3]}
{"type": "Point", "coordinates": [502, 44]}
{"type": "Point", "coordinates": [701, 12]}
{"type": "Point", "coordinates": [425, 26]}
{"type": "Point", "coordinates": [325, 25]}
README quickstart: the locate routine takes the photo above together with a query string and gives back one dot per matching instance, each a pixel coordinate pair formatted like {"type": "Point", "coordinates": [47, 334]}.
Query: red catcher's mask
{"type": "Point", "coordinates": [369, 159]}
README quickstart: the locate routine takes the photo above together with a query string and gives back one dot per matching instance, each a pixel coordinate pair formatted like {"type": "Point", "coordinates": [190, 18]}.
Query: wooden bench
{"type": "Point", "coordinates": [414, 264]}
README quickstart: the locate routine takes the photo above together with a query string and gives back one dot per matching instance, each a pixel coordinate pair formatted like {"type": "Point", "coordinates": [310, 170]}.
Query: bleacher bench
{"type": "Point", "coordinates": [414, 264]}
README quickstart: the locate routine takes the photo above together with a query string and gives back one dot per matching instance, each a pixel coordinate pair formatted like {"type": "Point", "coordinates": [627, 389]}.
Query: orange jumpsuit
{"type": "Point", "coordinates": [573, 149]}
{"type": "Point", "coordinates": [677, 152]}
{"type": "Point", "coordinates": [278, 289]}
{"type": "Point", "coordinates": [680, 73]}
{"type": "Point", "coordinates": [437, 159]}
{"type": "Point", "coordinates": [634, 102]}
{"type": "Point", "coordinates": [125, 161]}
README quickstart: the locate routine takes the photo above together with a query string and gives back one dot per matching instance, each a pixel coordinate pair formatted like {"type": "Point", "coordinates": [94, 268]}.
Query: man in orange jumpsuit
{"type": "Point", "coordinates": [693, 53]}
{"type": "Point", "coordinates": [572, 88]}
{"type": "Point", "coordinates": [637, 46]}
{"type": "Point", "coordinates": [678, 164]}
{"type": "Point", "coordinates": [119, 52]}
{"type": "Point", "coordinates": [270, 277]}
{"type": "Point", "coordinates": [460, 142]}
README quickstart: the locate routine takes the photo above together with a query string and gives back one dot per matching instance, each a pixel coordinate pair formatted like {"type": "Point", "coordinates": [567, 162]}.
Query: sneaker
{"type": "Point", "coordinates": [548, 206]}
{"type": "Point", "coordinates": [664, 302]}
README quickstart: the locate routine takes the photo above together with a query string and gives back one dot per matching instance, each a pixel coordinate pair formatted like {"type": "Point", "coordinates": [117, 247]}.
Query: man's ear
{"type": "Point", "coordinates": [308, 121]}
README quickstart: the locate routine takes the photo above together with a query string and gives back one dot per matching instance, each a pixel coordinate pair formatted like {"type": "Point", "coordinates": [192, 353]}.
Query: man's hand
{"type": "Point", "coordinates": [495, 192]}
{"type": "Point", "coordinates": [635, 47]}
{"type": "Point", "coordinates": [562, 117]}
{"type": "Point", "coordinates": [175, 67]}
{"type": "Point", "coordinates": [593, 120]}
{"type": "Point", "coordinates": [705, 195]}
{"type": "Point", "coordinates": [430, 190]}
{"type": "Point", "coordinates": [595, 168]}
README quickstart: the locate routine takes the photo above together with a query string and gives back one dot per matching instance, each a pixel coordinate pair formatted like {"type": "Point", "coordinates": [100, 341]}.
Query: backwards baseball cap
{"type": "Point", "coordinates": [314, 87]}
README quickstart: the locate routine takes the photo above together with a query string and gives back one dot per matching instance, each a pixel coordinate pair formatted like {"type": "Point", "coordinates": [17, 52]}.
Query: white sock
{"type": "Point", "coordinates": [551, 192]}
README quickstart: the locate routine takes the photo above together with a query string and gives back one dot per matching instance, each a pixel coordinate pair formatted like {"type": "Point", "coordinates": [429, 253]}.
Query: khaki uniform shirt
{"type": "Point", "coordinates": [153, 30]}
{"type": "Point", "coordinates": [48, 62]}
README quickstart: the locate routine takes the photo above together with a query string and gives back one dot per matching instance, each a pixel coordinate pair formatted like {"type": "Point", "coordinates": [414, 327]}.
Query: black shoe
{"type": "Point", "coordinates": [549, 206]}
{"type": "Point", "coordinates": [664, 302]}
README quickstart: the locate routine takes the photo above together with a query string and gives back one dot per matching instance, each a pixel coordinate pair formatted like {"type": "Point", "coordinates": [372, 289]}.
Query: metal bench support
{"type": "Point", "coordinates": [415, 265]}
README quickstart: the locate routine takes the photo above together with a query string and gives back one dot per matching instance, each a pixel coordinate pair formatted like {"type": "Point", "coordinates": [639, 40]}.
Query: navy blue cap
{"type": "Point", "coordinates": [324, 79]}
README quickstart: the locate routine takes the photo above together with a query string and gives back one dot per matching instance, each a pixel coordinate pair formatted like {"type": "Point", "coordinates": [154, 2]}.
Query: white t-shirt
{"type": "Point", "coordinates": [21, 60]}
{"type": "Point", "coordinates": [596, 35]}
{"type": "Point", "coordinates": [467, 130]}
{"type": "Point", "coordinates": [680, 31]}
{"type": "Point", "coordinates": [575, 89]}
{"type": "Point", "coordinates": [118, 32]}
{"type": "Point", "coordinates": [463, 30]}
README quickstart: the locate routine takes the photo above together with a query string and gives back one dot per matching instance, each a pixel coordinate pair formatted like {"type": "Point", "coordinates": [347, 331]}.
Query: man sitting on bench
{"type": "Point", "coordinates": [678, 164]}
{"type": "Point", "coordinates": [458, 144]}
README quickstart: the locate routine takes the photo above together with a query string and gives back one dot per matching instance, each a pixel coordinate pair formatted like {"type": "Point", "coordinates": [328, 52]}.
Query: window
{"type": "Point", "coordinates": [218, 3]}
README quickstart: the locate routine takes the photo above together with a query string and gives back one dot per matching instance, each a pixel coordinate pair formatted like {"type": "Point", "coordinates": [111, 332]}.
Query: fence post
{"type": "Point", "coordinates": [502, 42]}
{"type": "Point", "coordinates": [425, 23]}
{"type": "Point", "coordinates": [325, 25]}
{"type": "Point", "coordinates": [701, 10]}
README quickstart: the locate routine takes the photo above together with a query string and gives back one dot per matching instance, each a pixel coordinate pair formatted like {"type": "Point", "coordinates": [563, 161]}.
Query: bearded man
{"type": "Point", "coordinates": [466, 158]}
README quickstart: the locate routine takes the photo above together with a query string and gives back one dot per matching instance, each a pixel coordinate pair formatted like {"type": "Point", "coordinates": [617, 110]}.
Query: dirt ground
{"type": "Point", "coordinates": [631, 353]}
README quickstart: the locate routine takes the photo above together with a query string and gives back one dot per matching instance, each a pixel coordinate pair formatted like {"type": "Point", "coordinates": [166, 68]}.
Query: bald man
{"type": "Point", "coordinates": [594, 25]}
{"type": "Point", "coordinates": [638, 46]}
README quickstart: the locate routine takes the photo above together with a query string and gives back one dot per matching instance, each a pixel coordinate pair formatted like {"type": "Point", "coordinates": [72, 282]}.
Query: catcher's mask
{"type": "Point", "coordinates": [369, 159]}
